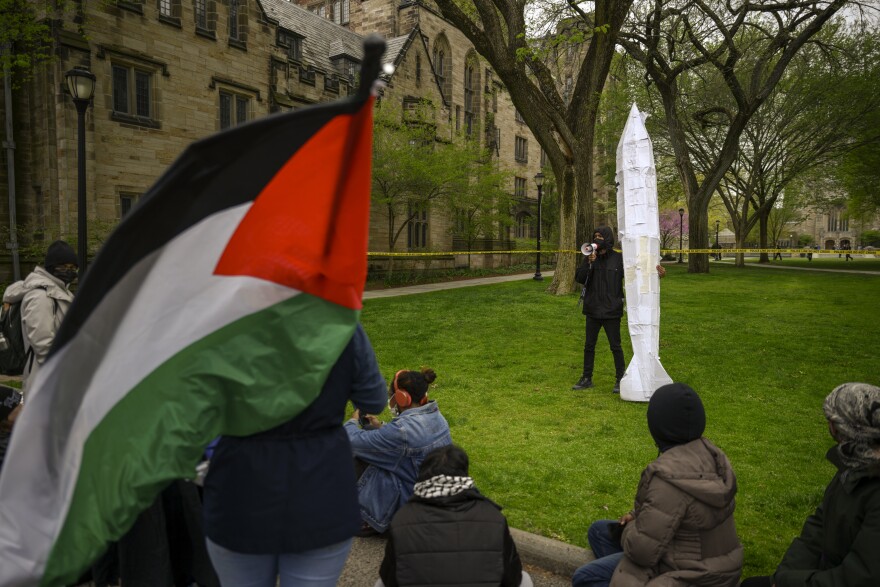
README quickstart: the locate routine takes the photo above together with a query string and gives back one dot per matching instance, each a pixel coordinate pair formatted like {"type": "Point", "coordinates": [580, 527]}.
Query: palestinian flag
{"type": "Point", "coordinates": [218, 306]}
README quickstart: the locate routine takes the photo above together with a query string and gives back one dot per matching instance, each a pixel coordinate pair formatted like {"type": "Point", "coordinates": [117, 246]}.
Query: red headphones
{"type": "Point", "coordinates": [401, 397]}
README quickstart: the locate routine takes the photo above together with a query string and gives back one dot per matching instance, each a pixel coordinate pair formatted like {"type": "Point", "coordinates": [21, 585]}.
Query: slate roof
{"type": "Point", "coordinates": [394, 49]}
{"type": "Point", "coordinates": [324, 40]}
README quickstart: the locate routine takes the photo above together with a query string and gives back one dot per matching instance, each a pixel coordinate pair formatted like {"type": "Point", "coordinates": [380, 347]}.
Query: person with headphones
{"type": "Point", "coordinates": [392, 452]}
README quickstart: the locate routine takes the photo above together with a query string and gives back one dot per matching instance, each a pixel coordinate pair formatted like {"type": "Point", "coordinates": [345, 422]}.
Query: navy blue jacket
{"type": "Point", "coordinates": [292, 488]}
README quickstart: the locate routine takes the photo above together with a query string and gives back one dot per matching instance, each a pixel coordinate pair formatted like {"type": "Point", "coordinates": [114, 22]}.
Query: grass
{"type": "Point", "coordinates": [859, 263]}
{"type": "Point", "coordinates": [763, 347]}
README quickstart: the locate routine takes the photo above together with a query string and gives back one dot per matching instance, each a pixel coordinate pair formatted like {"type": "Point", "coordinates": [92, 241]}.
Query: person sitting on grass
{"type": "Point", "coordinates": [390, 454]}
{"type": "Point", "coordinates": [449, 533]}
{"type": "Point", "coordinates": [840, 543]}
{"type": "Point", "coordinates": [681, 530]}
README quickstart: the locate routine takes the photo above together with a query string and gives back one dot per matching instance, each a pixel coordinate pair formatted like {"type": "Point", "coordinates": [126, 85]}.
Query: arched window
{"type": "Point", "coordinates": [443, 65]}
{"type": "Point", "coordinates": [471, 93]}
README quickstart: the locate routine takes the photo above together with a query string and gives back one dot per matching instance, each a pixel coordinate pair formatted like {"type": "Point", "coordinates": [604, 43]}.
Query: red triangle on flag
{"type": "Point", "coordinates": [297, 233]}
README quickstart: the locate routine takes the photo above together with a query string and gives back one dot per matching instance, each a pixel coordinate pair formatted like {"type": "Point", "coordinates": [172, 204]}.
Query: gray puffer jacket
{"type": "Point", "coordinates": [45, 300]}
{"type": "Point", "coordinates": [683, 533]}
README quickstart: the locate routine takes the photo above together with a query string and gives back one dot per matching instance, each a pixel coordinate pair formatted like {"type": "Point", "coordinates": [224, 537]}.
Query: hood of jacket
{"type": "Point", "coordinates": [850, 478]}
{"type": "Point", "coordinates": [460, 502]}
{"type": "Point", "coordinates": [699, 469]}
{"type": "Point", "coordinates": [40, 278]}
{"type": "Point", "coordinates": [607, 234]}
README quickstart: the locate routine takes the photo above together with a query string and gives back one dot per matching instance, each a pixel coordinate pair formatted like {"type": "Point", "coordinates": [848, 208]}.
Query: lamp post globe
{"type": "Point", "coordinates": [539, 181]}
{"type": "Point", "coordinates": [680, 235]}
{"type": "Point", "coordinates": [81, 85]}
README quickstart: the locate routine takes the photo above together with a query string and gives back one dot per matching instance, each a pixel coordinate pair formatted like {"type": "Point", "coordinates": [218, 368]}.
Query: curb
{"type": "Point", "coordinates": [550, 563]}
{"type": "Point", "coordinates": [551, 555]}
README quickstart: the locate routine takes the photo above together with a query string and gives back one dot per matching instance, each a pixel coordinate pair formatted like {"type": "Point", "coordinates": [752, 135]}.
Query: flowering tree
{"type": "Point", "coordinates": [670, 225]}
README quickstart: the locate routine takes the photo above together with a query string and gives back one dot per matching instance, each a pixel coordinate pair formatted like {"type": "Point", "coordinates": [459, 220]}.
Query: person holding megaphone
{"type": "Point", "coordinates": [601, 274]}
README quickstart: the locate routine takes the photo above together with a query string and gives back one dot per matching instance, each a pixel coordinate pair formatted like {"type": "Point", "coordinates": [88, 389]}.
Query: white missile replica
{"type": "Point", "coordinates": [638, 222]}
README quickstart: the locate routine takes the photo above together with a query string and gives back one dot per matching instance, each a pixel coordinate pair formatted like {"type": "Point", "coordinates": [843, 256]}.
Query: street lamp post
{"type": "Point", "coordinates": [717, 246]}
{"type": "Point", "coordinates": [539, 181]}
{"type": "Point", "coordinates": [680, 234]}
{"type": "Point", "coordinates": [81, 83]}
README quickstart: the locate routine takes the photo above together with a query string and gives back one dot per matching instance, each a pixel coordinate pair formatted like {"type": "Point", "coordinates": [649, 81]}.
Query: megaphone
{"type": "Point", "coordinates": [588, 249]}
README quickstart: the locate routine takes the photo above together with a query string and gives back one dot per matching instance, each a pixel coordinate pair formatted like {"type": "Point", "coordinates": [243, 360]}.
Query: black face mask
{"type": "Point", "coordinates": [65, 275]}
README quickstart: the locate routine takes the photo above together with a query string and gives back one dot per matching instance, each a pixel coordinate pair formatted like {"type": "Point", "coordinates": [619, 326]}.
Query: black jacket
{"type": "Point", "coordinates": [603, 285]}
{"type": "Point", "coordinates": [838, 546]}
{"type": "Point", "coordinates": [457, 540]}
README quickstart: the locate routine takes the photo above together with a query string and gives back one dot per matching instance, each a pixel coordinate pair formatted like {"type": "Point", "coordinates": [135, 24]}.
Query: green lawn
{"type": "Point", "coordinates": [763, 347]}
{"type": "Point", "coordinates": [858, 263]}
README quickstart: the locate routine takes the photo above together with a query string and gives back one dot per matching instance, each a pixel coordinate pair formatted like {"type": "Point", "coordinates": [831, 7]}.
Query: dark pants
{"type": "Point", "coordinates": [612, 331]}
{"type": "Point", "coordinates": [757, 582]}
{"type": "Point", "coordinates": [608, 553]}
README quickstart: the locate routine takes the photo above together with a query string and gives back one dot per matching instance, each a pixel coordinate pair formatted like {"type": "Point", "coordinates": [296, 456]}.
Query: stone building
{"type": "Point", "coordinates": [173, 71]}
{"type": "Point", "coordinates": [832, 229]}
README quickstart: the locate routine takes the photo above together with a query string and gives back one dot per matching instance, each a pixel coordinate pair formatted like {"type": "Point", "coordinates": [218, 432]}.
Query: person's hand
{"type": "Point", "coordinates": [374, 421]}
{"type": "Point", "coordinates": [661, 271]}
{"type": "Point", "coordinates": [592, 257]}
{"type": "Point", "coordinates": [356, 414]}
{"type": "Point", "coordinates": [626, 519]}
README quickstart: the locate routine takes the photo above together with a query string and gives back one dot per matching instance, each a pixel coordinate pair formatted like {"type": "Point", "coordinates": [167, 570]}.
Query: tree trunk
{"type": "Point", "coordinates": [764, 213]}
{"type": "Point", "coordinates": [698, 232]}
{"type": "Point", "coordinates": [575, 222]}
{"type": "Point", "coordinates": [740, 237]}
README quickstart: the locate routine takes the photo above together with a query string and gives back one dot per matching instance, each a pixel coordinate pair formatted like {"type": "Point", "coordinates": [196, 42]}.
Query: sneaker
{"type": "Point", "coordinates": [583, 383]}
{"type": "Point", "coordinates": [616, 388]}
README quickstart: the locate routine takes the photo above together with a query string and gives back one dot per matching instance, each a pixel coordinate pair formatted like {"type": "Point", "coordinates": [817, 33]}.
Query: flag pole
{"type": "Point", "coordinates": [374, 48]}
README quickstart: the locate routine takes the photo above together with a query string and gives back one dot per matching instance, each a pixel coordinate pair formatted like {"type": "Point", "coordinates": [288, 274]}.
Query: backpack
{"type": "Point", "coordinates": [13, 357]}
{"type": "Point", "coordinates": [12, 354]}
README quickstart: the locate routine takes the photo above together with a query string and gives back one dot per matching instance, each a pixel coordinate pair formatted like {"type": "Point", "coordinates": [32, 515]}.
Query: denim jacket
{"type": "Point", "coordinates": [395, 451]}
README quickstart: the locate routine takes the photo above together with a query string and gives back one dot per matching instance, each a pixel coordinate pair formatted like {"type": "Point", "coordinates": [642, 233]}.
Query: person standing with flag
{"type": "Point", "coordinates": [218, 307]}
{"type": "Point", "coordinates": [282, 503]}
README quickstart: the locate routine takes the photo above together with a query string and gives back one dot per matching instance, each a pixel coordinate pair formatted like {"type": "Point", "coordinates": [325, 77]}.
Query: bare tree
{"type": "Point", "coordinates": [814, 116]}
{"type": "Point", "coordinates": [561, 117]}
{"type": "Point", "coordinates": [746, 47]}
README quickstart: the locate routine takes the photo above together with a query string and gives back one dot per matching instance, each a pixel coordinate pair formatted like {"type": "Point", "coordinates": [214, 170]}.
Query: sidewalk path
{"type": "Point", "coordinates": [426, 287]}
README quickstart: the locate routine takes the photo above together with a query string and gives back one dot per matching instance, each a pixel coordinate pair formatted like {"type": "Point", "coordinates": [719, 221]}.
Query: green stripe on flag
{"type": "Point", "coordinates": [248, 376]}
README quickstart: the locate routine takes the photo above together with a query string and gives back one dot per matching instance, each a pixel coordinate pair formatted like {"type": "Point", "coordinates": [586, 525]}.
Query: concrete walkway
{"type": "Point", "coordinates": [427, 287]}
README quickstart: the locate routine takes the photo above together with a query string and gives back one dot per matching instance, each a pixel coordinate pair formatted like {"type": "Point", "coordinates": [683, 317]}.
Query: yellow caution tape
{"type": "Point", "coordinates": [852, 253]}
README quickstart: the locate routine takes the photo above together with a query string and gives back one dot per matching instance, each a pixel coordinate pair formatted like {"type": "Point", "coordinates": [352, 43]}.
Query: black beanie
{"type": "Point", "coordinates": [59, 253]}
{"type": "Point", "coordinates": [675, 415]}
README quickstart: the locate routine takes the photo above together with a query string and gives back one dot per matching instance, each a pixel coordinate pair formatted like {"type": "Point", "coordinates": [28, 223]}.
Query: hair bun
{"type": "Point", "coordinates": [429, 375]}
